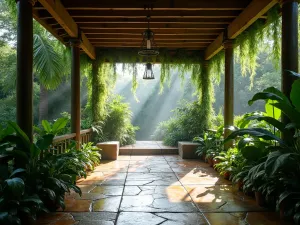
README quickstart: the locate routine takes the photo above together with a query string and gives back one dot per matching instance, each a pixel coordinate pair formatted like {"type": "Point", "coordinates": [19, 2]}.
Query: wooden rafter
{"type": "Point", "coordinates": [142, 14]}
{"type": "Point", "coordinates": [60, 14]}
{"type": "Point", "coordinates": [253, 12]}
{"type": "Point", "coordinates": [159, 5]}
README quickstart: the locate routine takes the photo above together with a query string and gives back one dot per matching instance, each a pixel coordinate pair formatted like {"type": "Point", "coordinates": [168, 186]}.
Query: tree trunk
{"type": "Point", "coordinates": [43, 106]}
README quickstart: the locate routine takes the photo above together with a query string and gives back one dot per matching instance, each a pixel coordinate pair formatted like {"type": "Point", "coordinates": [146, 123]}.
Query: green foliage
{"type": "Point", "coordinates": [272, 163]}
{"type": "Point", "coordinates": [59, 126]}
{"type": "Point", "coordinates": [184, 125]}
{"type": "Point", "coordinates": [210, 144]}
{"type": "Point", "coordinates": [37, 180]}
{"type": "Point", "coordinates": [116, 125]}
{"type": "Point", "coordinates": [250, 43]}
{"type": "Point", "coordinates": [230, 162]}
{"type": "Point", "coordinates": [47, 63]}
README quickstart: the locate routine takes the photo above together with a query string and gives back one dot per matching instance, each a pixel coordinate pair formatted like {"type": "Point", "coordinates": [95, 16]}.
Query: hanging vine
{"type": "Point", "coordinates": [251, 42]}
{"type": "Point", "coordinates": [216, 67]}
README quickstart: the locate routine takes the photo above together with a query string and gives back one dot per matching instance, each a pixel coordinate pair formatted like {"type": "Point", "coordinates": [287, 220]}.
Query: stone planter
{"type": "Point", "coordinates": [109, 150]}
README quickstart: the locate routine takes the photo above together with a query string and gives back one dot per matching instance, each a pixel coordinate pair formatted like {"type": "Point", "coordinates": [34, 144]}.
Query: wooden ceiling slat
{"type": "Point", "coordinates": [159, 37]}
{"type": "Point", "coordinates": [158, 42]}
{"type": "Point", "coordinates": [153, 20]}
{"type": "Point", "coordinates": [153, 26]}
{"type": "Point", "coordinates": [161, 4]}
{"type": "Point", "coordinates": [156, 31]}
{"type": "Point", "coordinates": [154, 14]}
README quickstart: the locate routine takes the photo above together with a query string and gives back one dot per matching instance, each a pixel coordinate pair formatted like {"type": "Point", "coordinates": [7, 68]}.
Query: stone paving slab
{"type": "Point", "coordinates": [129, 218]}
{"type": "Point", "coordinates": [221, 198]}
{"type": "Point", "coordinates": [157, 190]}
{"type": "Point", "coordinates": [251, 218]}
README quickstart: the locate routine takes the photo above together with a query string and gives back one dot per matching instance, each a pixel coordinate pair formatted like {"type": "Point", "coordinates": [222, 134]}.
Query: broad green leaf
{"type": "Point", "coordinates": [271, 110]}
{"type": "Point", "coordinates": [251, 153]}
{"type": "Point", "coordinates": [15, 186]}
{"type": "Point", "coordinates": [269, 119]}
{"type": "Point", "coordinates": [17, 171]}
{"type": "Point", "coordinates": [20, 134]}
{"type": "Point", "coordinates": [294, 73]}
{"type": "Point", "coordinates": [289, 111]}
{"type": "Point", "coordinates": [51, 194]}
{"type": "Point", "coordinates": [20, 157]}
{"type": "Point", "coordinates": [3, 217]}
{"type": "Point", "coordinates": [269, 94]}
{"type": "Point", "coordinates": [295, 94]}
{"type": "Point", "coordinates": [59, 124]}
{"type": "Point", "coordinates": [45, 141]}
{"type": "Point", "coordinates": [47, 126]}
{"type": "Point", "coordinates": [34, 151]}
{"type": "Point", "coordinates": [278, 93]}
{"type": "Point", "coordinates": [256, 132]}
{"type": "Point", "coordinates": [32, 199]}
{"type": "Point", "coordinates": [269, 165]}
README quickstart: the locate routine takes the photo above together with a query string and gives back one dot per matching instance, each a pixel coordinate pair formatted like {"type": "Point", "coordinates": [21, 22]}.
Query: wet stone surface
{"type": "Point", "coordinates": [153, 190]}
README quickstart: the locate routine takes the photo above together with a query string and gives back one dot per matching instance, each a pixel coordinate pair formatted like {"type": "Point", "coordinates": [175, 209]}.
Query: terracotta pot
{"type": "Point", "coordinates": [227, 175]}
{"type": "Point", "coordinates": [260, 199]}
{"type": "Point", "coordinates": [210, 161]}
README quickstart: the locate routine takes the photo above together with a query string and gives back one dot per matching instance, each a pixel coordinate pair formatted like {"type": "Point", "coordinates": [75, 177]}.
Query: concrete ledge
{"type": "Point", "coordinates": [187, 150]}
{"type": "Point", "coordinates": [110, 150]}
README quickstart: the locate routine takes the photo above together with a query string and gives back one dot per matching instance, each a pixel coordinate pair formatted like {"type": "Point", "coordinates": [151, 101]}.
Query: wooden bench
{"type": "Point", "coordinates": [187, 150]}
{"type": "Point", "coordinates": [110, 150]}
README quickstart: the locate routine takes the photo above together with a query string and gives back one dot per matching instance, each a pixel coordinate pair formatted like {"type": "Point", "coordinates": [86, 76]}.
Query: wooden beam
{"type": "Point", "coordinates": [157, 37]}
{"type": "Point", "coordinates": [60, 14]}
{"type": "Point", "coordinates": [154, 14]}
{"type": "Point", "coordinates": [159, 42]}
{"type": "Point", "coordinates": [143, 26]}
{"type": "Point", "coordinates": [162, 45]}
{"type": "Point", "coordinates": [214, 47]}
{"type": "Point", "coordinates": [156, 31]}
{"type": "Point", "coordinates": [87, 47]}
{"type": "Point", "coordinates": [253, 12]}
{"type": "Point", "coordinates": [47, 26]}
{"type": "Point", "coordinates": [153, 20]}
{"type": "Point", "coordinates": [158, 5]}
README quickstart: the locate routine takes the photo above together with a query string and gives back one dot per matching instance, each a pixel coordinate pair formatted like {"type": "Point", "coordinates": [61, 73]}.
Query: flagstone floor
{"type": "Point", "coordinates": [153, 190]}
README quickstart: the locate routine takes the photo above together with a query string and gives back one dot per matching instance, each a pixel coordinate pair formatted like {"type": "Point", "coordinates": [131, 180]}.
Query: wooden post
{"type": "Point", "coordinates": [289, 54]}
{"type": "Point", "coordinates": [24, 67]}
{"type": "Point", "coordinates": [229, 88]}
{"type": "Point", "coordinates": [75, 90]}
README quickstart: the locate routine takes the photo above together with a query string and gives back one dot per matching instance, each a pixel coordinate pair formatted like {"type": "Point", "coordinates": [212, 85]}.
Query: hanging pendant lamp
{"type": "Point", "coordinates": [148, 74]}
{"type": "Point", "coordinates": [148, 47]}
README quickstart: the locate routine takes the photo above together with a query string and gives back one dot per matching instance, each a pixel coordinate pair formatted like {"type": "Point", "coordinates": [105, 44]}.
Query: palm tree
{"type": "Point", "coordinates": [49, 61]}
{"type": "Point", "coordinates": [49, 67]}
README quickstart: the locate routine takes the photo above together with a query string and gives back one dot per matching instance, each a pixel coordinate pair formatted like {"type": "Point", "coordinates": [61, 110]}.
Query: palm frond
{"type": "Point", "coordinates": [47, 63]}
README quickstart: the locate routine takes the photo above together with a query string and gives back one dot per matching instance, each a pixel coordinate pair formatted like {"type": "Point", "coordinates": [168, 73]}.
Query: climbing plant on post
{"type": "Point", "coordinates": [207, 93]}
{"type": "Point", "coordinates": [99, 90]}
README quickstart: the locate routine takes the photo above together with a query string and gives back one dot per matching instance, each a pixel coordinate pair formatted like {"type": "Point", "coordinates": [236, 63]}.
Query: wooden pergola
{"type": "Point", "coordinates": [206, 27]}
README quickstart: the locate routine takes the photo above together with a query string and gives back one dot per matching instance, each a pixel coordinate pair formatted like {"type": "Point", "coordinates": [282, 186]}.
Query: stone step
{"type": "Point", "coordinates": [136, 151]}
{"type": "Point", "coordinates": [148, 148]}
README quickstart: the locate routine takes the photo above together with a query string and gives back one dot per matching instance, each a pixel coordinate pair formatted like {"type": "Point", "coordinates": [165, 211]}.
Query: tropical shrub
{"type": "Point", "coordinates": [210, 144]}
{"type": "Point", "coordinates": [35, 182]}
{"type": "Point", "coordinates": [230, 162]}
{"type": "Point", "coordinates": [274, 169]}
{"type": "Point", "coordinates": [116, 125]}
{"type": "Point", "coordinates": [183, 126]}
